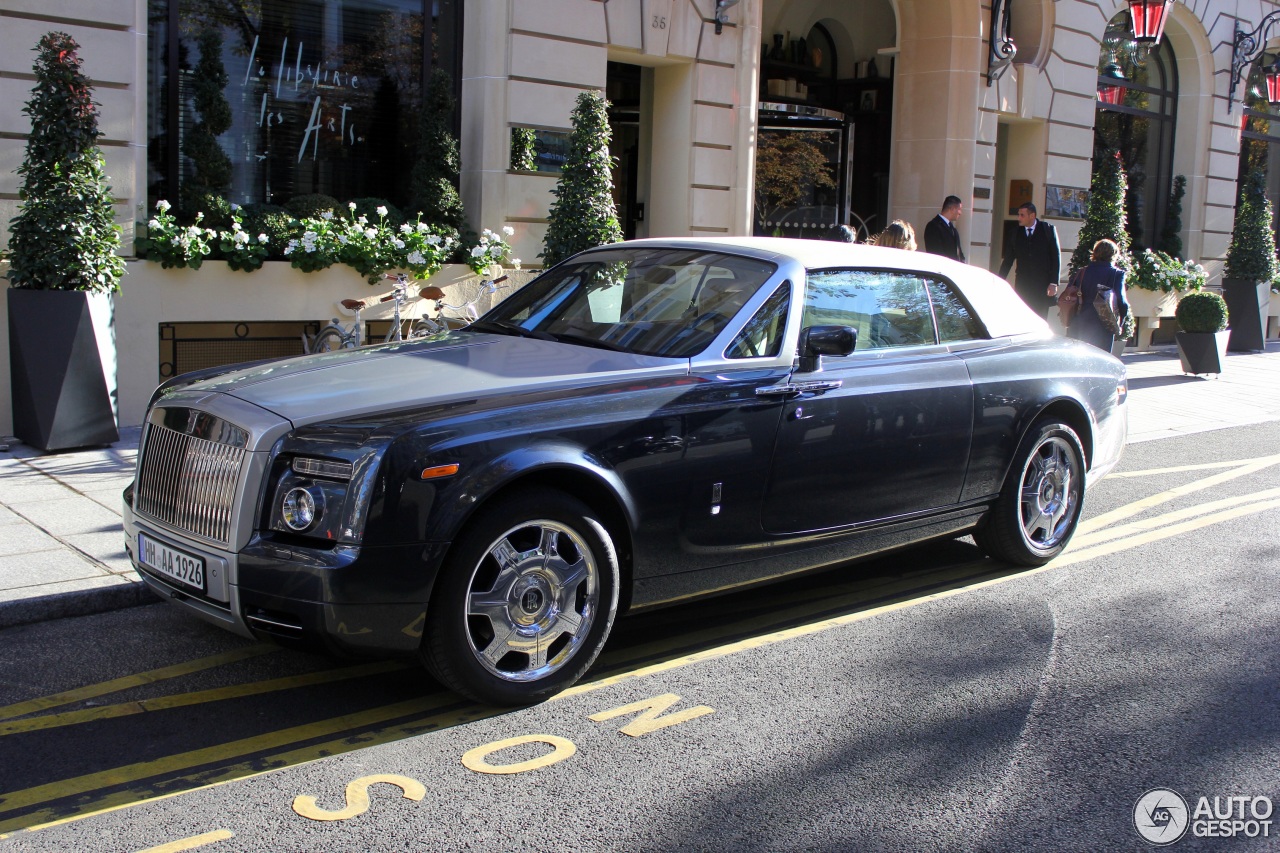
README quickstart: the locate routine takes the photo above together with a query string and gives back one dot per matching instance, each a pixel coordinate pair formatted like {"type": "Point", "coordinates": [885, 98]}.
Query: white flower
{"type": "Point", "coordinates": [382, 210]}
{"type": "Point", "coordinates": [342, 238]}
{"type": "Point", "coordinates": [262, 238]}
{"type": "Point", "coordinates": [209, 232]}
{"type": "Point", "coordinates": [177, 241]}
{"type": "Point", "coordinates": [406, 228]}
{"type": "Point", "coordinates": [351, 205]}
{"type": "Point", "coordinates": [155, 223]}
{"type": "Point", "coordinates": [508, 230]}
{"type": "Point", "coordinates": [326, 215]}
{"type": "Point", "coordinates": [399, 244]}
{"type": "Point", "coordinates": [240, 238]}
{"type": "Point", "coordinates": [416, 258]}
{"type": "Point", "coordinates": [433, 240]}
{"type": "Point", "coordinates": [423, 227]}
{"type": "Point", "coordinates": [371, 233]}
{"type": "Point", "coordinates": [477, 252]}
{"type": "Point", "coordinates": [162, 205]}
{"type": "Point", "coordinates": [235, 226]}
{"type": "Point", "coordinates": [515, 263]}
{"type": "Point", "coordinates": [199, 215]}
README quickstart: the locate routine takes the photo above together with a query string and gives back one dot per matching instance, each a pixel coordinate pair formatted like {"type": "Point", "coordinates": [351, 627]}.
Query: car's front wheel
{"type": "Point", "coordinates": [1037, 511]}
{"type": "Point", "coordinates": [525, 600]}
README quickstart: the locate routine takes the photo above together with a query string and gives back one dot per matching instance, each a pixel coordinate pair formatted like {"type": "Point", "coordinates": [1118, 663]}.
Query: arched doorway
{"type": "Point", "coordinates": [1136, 116]}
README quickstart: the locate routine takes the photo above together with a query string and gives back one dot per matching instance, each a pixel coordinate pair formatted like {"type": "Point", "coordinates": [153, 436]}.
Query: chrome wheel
{"type": "Point", "coordinates": [1049, 497]}
{"type": "Point", "coordinates": [532, 600]}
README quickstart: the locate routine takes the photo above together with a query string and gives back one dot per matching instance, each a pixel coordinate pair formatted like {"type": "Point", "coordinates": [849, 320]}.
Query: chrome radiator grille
{"type": "Point", "coordinates": [188, 482]}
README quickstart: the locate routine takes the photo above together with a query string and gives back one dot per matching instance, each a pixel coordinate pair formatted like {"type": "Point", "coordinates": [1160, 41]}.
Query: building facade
{"type": "Point", "coordinates": [884, 107]}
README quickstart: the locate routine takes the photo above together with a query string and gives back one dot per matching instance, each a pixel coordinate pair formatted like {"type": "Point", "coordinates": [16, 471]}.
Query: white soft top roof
{"type": "Point", "coordinates": [1001, 310]}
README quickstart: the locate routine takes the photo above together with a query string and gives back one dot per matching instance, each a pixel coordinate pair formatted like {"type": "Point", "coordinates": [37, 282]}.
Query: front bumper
{"type": "Point", "coordinates": [351, 599]}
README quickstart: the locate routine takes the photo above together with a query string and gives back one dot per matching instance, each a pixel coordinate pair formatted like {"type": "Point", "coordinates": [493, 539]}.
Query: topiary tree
{"type": "Point", "coordinates": [64, 236]}
{"type": "Point", "coordinates": [212, 176]}
{"type": "Point", "coordinates": [1252, 253]}
{"type": "Point", "coordinates": [1170, 237]}
{"type": "Point", "coordinates": [433, 183]}
{"type": "Point", "coordinates": [1105, 219]}
{"type": "Point", "coordinates": [583, 215]}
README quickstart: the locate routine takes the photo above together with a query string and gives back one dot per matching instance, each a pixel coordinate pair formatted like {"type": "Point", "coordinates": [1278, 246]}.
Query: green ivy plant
{"type": "Point", "coordinates": [1252, 253]}
{"type": "Point", "coordinates": [1105, 218]}
{"type": "Point", "coordinates": [64, 236]}
{"type": "Point", "coordinates": [524, 151]}
{"type": "Point", "coordinates": [583, 214]}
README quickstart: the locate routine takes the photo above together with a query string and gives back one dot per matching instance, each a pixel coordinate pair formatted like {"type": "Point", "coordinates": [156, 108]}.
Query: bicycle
{"type": "Point", "coordinates": [335, 336]}
{"type": "Point", "coordinates": [441, 323]}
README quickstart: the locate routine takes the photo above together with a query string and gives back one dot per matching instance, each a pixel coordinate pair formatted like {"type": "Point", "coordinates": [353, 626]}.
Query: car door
{"type": "Point", "coordinates": [886, 430]}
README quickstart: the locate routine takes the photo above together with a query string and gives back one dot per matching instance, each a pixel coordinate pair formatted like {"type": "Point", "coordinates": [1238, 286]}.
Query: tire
{"type": "Point", "coordinates": [329, 340]}
{"type": "Point", "coordinates": [1039, 507]}
{"type": "Point", "coordinates": [518, 633]}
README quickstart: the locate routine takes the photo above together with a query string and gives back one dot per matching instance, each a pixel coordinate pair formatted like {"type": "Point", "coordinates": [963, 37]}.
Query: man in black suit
{"type": "Point", "coordinates": [940, 234]}
{"type": "Point", "coordinates": [1034, 247]}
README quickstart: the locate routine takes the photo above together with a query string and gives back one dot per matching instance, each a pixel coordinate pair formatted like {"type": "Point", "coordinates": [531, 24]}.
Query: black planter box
{"type": "Point", "coordinates": [1202, 352]}
{"type": "Point", "coordinates": [61, 395]}
{"type": "Point", "coordinates": [1247, 315]}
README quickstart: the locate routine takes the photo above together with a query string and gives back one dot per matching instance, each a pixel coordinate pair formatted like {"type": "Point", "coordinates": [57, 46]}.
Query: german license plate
{"type": "Point", "coordinates": [182, 567]}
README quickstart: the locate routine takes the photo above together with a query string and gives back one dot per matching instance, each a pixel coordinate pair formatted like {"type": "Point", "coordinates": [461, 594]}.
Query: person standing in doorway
{"type": "Point", "coordinates": [940, 235]}
{"type": "Point", "coordinates": [1034, 248]}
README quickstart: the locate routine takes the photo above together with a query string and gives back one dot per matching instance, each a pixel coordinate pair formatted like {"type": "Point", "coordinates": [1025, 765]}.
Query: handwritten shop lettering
{"type": "Point", "coordinates": [292, 75]}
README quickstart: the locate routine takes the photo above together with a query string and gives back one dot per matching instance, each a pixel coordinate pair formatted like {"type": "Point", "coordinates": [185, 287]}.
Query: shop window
{"type": "Point", "coordinates": [1136, 113]}
{"type": "Point", "coordinates": [323, 95]}
{"type": "Point", "coordinates": [1260, 134]}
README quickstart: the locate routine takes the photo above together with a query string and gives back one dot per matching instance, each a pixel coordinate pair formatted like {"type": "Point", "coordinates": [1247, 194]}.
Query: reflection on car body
{"type": "Point", "coordinates": [644, 422]}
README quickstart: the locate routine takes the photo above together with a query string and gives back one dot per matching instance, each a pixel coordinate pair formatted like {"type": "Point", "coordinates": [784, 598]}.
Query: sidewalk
{"type": "Point", "coordinates": [62, 549]}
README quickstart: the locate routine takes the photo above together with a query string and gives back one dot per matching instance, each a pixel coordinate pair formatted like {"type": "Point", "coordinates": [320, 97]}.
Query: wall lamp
{"type": "Point", "coordinates": [1112, 92]}
{"type": "Point", "coordinates": [1000, 47]}
{"type": "Point", "coordinates": [1147, 18]}
{"type": "Point", "coordinates": [1247, 46]}
{"type": "Point", "coordinates": [722, 16]}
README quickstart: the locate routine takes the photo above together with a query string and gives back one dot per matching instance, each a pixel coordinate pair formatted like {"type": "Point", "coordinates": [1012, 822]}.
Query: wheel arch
{"type": "Point", "coordinates": [599, 488]}
{"type": "Point", "coordinates": [1074, 415]}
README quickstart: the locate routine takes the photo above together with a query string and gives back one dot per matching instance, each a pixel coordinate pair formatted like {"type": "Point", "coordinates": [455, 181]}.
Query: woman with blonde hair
{"type": "Point", "coordinates": [899, 235]}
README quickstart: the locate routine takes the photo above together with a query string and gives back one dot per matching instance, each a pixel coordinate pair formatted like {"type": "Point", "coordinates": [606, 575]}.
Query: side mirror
{"type": "Point", "coordinates": [817, 341]}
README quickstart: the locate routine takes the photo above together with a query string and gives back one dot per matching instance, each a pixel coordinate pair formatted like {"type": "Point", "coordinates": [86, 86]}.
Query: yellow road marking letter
{"type": "Point", "coordinates": [651, 717]}
{"type": "Point", "coordinates": [562, 748]}
{"type": "Point", "coordinates": [191, 843]}
{"type": "Point", "coordinates": [358, 797]}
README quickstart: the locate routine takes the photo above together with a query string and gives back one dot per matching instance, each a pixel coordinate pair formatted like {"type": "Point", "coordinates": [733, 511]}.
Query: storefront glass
{"type": "Point", "coordinates": [323, 95]}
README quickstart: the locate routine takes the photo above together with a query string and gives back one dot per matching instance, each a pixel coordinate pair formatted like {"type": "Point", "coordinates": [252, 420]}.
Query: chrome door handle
{"type": "Point", "coordinates": [795, 389]}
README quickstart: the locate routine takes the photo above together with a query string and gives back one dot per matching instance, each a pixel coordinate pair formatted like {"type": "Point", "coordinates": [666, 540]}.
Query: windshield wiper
{"type": "Point", "coordinates": [504, 328]}
{"type": "Point", "coordinates": [570, 337]}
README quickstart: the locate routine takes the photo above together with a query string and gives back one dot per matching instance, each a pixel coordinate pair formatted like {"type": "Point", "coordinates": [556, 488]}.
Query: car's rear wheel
{"type": "Point", "coordinates": [525, 600]}
{"type": "Point", "coordinates": [1037, 511]}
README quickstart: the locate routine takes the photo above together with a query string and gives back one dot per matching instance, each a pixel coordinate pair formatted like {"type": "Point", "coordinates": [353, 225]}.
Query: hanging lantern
{"type": "Point", "coordinates": [1148, 17]}
{"type": "Point", "coordinates": [1112, 91]}
{"type": "Point", "coordinates": [1272, 76]}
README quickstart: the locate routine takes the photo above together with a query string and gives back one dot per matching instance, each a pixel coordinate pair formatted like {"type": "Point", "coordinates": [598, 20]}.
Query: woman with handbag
{"type": "Point", "coordinates": [1100, 287]}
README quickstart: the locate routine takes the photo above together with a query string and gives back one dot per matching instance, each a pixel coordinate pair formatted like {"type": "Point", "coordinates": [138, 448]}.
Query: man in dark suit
{"type": "Point", "coordinates": [1034, 248]}
{"type": "Point", "coordinates": [940, 234]}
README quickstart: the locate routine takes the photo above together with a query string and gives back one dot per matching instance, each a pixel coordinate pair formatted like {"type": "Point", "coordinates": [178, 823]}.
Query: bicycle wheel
{"type": "Point", "coordinates": [330, 340]}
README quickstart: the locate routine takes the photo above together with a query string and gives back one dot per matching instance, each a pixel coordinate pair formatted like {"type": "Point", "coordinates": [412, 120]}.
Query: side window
{"type": "Point", "coordinates": [887, 308]}
{"type": "Point", "coordinates": [955, 321]}
{"type": "Point", "coordinates": [762, 335]}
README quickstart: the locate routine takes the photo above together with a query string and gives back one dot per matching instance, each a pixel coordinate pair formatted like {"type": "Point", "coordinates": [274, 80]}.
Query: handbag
{"type": "Point", "coordinates": [1069, 299]}
{"type": "Point", "coordinates": [1106, 311]}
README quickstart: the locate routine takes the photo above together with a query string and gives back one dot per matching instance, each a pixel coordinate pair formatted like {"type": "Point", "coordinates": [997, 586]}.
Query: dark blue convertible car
{"type": "Point", "coordinates": [643, 423]}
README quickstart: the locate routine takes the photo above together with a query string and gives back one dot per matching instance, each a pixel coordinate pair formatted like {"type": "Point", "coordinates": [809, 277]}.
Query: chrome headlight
{"type": "Point", "coordinates": [301, 507]}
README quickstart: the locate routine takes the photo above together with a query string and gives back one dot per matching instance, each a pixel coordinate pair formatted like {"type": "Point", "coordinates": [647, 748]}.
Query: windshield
{"type": "Point", "coordinates": [648, 301]}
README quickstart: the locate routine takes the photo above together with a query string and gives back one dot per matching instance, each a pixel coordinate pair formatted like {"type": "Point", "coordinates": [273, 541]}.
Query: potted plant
{"type": "Point", "coordinates": [1202, 332]}
{"type": "Point", "coordinates": [1156, 281]}
{"type": "Point", "coordinates": [64, 265]}
{"type": "Point", "coordinates": [1251, 267]}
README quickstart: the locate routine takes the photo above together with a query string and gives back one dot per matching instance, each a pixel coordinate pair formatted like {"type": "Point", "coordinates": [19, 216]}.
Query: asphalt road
{"type": "Point", "coordinates": [934, 700]}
